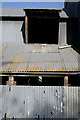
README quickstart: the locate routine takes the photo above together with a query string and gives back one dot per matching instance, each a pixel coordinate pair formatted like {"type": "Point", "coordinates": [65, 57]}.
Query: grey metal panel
{"type": "Point", "coordinates": [11, 31]}
{"type": "Point", "coordinates": [30, 102]}
{"type": "Point", "coordinates": [0, 102]}
{"type": "Point", "coordinates": [63, 14]}
{"type": "Point", "coordinates": [14, 11]}
{"type": "Point", "coordinates": [62, 33]}
{"type": "Point", "coordinates": [64, 106]}
{"type": "Point", "coordinates": [4, 99]}
{"type": "Point", "coordinates": [39, 102]}
{"type": "Point", "coordinates": [18, 11]}
{"type": "Point", "coordinates": [14, 102]}
{"type": "Point", "coordinates": [21, 58]}
{"type": "Point", "coordinates": [71, 102]}
{"type": "Point", "coordinates": [78, 102]}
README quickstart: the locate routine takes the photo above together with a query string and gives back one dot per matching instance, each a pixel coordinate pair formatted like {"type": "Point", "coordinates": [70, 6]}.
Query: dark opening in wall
{"type": "Point", "coordinates": [45, 81]}
{"type": "Point", "coordinates": [74, 80]}
{"type": "Point", "coordinates": [35, 81]}
{"type": "Point", "coordinates": [43, 30]}
{"type": "Point", "coordinates": [3, 80]}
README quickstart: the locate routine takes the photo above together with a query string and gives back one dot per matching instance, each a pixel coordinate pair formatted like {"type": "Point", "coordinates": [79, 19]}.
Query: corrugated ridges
{"type": "Point", "coordinates": [38, 58]}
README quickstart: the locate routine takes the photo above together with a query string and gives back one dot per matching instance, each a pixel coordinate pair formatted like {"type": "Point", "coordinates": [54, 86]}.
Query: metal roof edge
{"type": "Point", "coordinates": [31, 8]}
{"type": "Point", "coordinates": [42, 73]}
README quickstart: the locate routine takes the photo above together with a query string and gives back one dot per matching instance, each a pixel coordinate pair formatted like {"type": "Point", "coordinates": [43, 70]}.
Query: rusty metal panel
{"type": "Point", "coordinates": [39, 102]}
{"type": "Point", "coordinates": [21, 58]}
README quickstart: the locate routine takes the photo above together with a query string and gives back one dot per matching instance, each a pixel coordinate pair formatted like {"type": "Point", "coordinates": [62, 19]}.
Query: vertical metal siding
{"type": "Point", "coordinates": [78, 102]}
{"type": "Point", "coordinates": [39, 102]}
{"type": "Point", "coordinates": [71, 102]}
{"type": "Point", "coordinates": [0, 102]}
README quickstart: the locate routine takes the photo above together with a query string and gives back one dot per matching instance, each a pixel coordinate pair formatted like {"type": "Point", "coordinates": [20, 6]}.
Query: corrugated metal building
{"type": "Point", "coordinates": [51, 56]}
{"type": "Point", "coordinates": [37, 49]}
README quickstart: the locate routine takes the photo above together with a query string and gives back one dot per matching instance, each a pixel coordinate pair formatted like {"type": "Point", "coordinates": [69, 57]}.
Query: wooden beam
{"type": "Point", "coordinates": [26, 29]}
{"type": "Point", "coordinates": [66, 81]}
{"type": "Point", "coordinates": [11, 81]}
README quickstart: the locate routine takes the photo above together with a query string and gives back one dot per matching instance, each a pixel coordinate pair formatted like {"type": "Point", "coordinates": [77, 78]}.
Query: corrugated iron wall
{"type": "Point", "coordinates": [11, 31]}
{"type": "Point", "coordinates": [39, 102]}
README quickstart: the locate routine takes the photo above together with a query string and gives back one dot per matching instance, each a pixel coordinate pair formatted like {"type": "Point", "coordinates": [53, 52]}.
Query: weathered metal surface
{"type": "Point", "coordinates": [39, 102]}
{"type": "Point", "coordinates": [79, 101]}
{"type": "Point", "coordinates": [63, 14]}
{"type": "Point", "coordinates": [71, 102]}
{"type": "Point", "coordinates": [17, 58]}
{"type": "Point", "coordinates": [18, 11]}
{"type": "Point", "coordinates": [62, 40]}
{"type": "Point", "coordinates": [11, 11]}
{"type": "Point", "coordinates": [11, 31]}
{"type": "Point", "coordinates": [0, 102]}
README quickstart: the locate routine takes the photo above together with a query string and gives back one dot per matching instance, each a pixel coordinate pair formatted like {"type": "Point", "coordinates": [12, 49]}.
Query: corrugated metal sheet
{"type": "Point", "coordinates": [12, 11]}
{"type": "Point", "coordinates": [38, 57]}
{"type": "Point", "coordinates": [18, 11]}
{"type": "Point", "coordinates": [0, 102]}
{"type": "Point", "coordinates": [11, 31]}
{"type": "Point", "coordinates": [39, 102]}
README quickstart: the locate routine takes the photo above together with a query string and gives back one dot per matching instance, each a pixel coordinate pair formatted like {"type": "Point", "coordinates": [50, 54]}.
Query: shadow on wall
{"type": "Point", "coordinates": [73, 28]}
{"type": "Point", "coordinates": [23, 31]}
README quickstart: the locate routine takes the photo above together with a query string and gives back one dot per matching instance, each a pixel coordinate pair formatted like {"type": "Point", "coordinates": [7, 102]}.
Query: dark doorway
{"type": "Point", "coordinates": [43, 30]}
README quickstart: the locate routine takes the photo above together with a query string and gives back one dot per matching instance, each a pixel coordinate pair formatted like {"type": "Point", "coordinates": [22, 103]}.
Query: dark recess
{"type": "Point", "coordinates": [74, 80]}
{"type": "Point", "coordinates": [43, 30]}
{"type": "Point", "coordinates": [46, 81]}
{"type": "Point", "coordinates": [34, 81]}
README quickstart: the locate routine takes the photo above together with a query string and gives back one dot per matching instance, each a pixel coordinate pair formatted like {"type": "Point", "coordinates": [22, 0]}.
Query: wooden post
{"type": "Point", "coordinates": [11, 81]}
{"type": "Point", "coordinates": [26, 29]}
{"type": "Point", "coordinates": [66, 81]}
